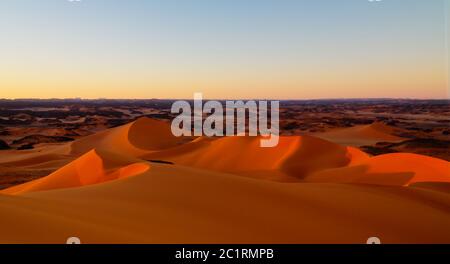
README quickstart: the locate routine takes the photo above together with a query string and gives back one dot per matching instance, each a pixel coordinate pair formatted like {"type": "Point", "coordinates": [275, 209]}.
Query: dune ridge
{"type": "Point", "coordinates": [177, 204]}
{"type": "Point", "coordinates": [296, 158]}
{"type": "Point", "coordinates": [400, 169]}
{"type": "Point", "coordinates": [92, 168]}
{"type": "Point", "coordinates": [225, 190]}
{"type": "Point", "coordinates": [135, 139]}
{"type": "Point", "coordinates": [362, 135]}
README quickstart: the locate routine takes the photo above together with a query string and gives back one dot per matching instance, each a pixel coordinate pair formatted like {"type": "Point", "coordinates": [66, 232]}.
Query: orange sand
{"type": "Point", "coordinates": [362, 135]}
{"type": "Point", "coordinates": [225, 190]}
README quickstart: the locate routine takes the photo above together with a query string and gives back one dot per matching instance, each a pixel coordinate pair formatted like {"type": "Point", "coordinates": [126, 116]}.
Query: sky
{"type": "Point", "coordinates": [226, 49]}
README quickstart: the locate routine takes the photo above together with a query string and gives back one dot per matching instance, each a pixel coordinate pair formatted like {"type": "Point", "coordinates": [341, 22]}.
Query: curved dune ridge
{"type": "Point", "coordinates": [363, 135]}
{"type": "Point", "coordinates": [136, 138]}
{"type": "Point", "coordinates": [175, 204]}
{"type": "Point", "coordinates": [92, 168]}
{"type": "Point", "coordinates": [294, 156]}
{"type": "Point", "coordinates": [210, 190]}
{"type": "Point", "coordinates": [400, 169]}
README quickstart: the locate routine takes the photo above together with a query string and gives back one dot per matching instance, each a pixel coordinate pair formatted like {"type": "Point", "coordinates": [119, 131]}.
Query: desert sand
{"type": "Point", "coordinates": [363, 135]}
{"type": "Point", "coordinates": [137, 183]}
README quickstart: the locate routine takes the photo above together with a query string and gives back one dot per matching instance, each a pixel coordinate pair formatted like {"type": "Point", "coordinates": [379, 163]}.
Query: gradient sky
{"type": "Point", "coordinates": [278, 49]}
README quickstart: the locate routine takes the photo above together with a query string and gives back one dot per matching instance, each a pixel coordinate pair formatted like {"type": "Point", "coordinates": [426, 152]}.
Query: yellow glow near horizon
{"type": "Point", "coordinates": [406, 82]}
{"type": "Point", "coordinates": [224, 49]}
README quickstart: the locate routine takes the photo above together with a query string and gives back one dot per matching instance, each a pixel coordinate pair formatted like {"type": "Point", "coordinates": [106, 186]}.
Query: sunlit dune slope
{"type": "Point", "coordinates": [17, 165]}
{"type": "Point", "coordinates": [115, 191]}
{"type": "Point", "coordinates": [91, 168]}
{"type": "Point", "coordinates": [389, 169]}
{"type": "Point", "coordinates": [362, 135]}
{"type": "Point", "coordinates": [173, 204]}
{"type": "Point", "coordinates": [293, 157]}
{"type": "Point", "coordinates": [134, 139]}
{"type": "Point", "coordinates": [296, 158]}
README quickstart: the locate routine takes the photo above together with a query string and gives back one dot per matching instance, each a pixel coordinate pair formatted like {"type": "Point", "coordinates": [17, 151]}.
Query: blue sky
{"type": "Point", "coordinates": [224, 48]}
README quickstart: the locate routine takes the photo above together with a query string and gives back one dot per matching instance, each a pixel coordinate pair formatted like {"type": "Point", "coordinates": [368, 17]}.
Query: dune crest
{"type": "Point", "coordinates": [401, 169]}
{"type": "Point", "coordinates": [362, 135]}
{"type": "Point", "coordinates": [209, 190]}
{"type": "Point", "coordinates": [176, 204]}
{"type": "Point", "coordinates": [294, 157]}
{"type": "Point", "coordinates": [135, 139]}
{"type": "Point", "coordinates": [92, 168]}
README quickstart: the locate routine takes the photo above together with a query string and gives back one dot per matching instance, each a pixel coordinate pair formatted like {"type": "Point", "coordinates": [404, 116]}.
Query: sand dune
{"type": "Point", "coordinates": [130, 140]}
{"type": "Point", "coordinates": [294, 158]}
{"type": "Point", "coordinates": [362, 135]}
{"type": "Point", "coordinates": [390, 169]}
{"type": "Point", "coordinates": [92, 168]}
{"type": "Point", "coordinates": [135, 139]}
{"type": "Point", "coordinates": [34, 156]}
{"type": "Point", "coordinates": [173, 204]}
{"type": "Point", "coordinates": [111, 192]}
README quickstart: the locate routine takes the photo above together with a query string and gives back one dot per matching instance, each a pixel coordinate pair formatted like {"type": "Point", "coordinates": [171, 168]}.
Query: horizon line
{"type": "Point", "coordinates": [223, 99]}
